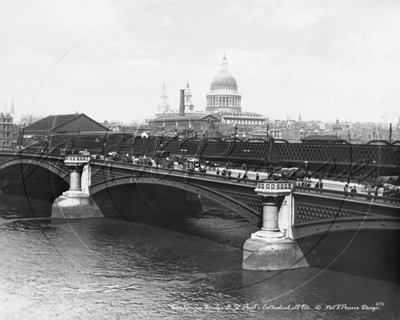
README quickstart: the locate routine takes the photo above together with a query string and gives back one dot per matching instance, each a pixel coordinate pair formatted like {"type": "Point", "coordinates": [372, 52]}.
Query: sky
{"type": "Point", "coordinates": [109, 59]}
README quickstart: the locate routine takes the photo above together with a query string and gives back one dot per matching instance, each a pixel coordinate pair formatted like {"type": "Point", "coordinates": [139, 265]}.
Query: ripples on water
{"type": "Point", "coordinates": [115, 269]}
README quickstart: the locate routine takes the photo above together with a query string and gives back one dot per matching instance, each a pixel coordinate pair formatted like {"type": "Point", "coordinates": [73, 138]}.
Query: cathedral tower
{"type": "Point", "coordinates": [223, 95]}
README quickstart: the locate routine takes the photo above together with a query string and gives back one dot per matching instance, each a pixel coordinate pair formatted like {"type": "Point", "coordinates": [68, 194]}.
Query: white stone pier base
{"type": "Point", "coordinates": [270, 254]}
{"type": "Point", "coordinates": [74, 205]}
{"type": "Point", "coordinates": [273, 247]}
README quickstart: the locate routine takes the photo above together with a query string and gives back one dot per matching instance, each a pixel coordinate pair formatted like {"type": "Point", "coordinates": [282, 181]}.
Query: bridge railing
{"type": "Point", "coordinates": [177, 171]}
{"type": "Point", "coordinates": [348, 195]}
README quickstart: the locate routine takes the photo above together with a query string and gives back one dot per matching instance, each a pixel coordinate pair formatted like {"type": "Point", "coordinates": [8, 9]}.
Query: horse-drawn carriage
{"type": "Point", "coordinates": [287, 174]}
{"type": "Point", "coordinates": [193, 163]}
{"type": "Point", "coordinates": [390, 190]}
{"type": "Point", "coordinates": [143, 161]}
{"type": "Point", "coordinates": [163, 159]}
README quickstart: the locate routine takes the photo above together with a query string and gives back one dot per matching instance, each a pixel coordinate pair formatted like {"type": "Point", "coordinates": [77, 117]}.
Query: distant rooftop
{"type": "Point", "coordinates": [53, 122]}
{"type": "Point", "coordinates": [50, 122]}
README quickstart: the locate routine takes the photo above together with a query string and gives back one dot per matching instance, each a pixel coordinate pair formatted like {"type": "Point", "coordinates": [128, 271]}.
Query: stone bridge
{"type": "Point", "coordinates": [300, 226]}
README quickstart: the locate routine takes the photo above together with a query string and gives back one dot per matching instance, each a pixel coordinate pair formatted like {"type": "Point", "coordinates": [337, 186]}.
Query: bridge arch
{"type": "Point", "coordinates": [249, 213]}
{"type": "Point", "coordinates": [40, 163]}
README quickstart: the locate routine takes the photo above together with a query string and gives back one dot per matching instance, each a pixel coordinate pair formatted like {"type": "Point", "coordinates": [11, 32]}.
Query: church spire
{"type": "Point", "coordinates": [163, 104]}
{"type": "Point", "coordinates": [224, 65]}
{"type": "Point", "coordinates": [299, 117]}
{"type": "Point", "coordinates": [12, 112]}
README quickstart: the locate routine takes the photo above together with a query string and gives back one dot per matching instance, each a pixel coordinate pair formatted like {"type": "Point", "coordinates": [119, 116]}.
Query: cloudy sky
{"type": "Point", "coordinates": [109, 58]}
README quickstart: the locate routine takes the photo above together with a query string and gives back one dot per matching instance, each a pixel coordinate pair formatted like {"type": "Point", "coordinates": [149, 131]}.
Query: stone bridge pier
{"type": "Point", "coordinates": [77, 202]}
{"type": "Point", "coordinates": [273, 247]}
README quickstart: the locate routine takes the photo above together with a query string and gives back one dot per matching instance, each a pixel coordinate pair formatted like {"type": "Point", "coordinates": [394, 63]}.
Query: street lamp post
{"type": "Point", "coordinates": [96, 142]}
{"type": "Point", "coordinates": [183, 152]}
{"type": "Point", "coordinates": [246, 152]}
{"type": "Point", "coordinates": [46, 140]}
{"type": "Point", "coordinates": [144, 142]}
{"type": "Point", "coordinates": [21, 137]}
{"type": "Point", "coordinates": [49, 144]}
{"type": "Point", "coordinates": [374, 174]}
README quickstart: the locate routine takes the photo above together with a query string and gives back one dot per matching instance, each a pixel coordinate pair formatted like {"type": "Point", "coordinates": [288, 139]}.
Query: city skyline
{"type": "Point", "coordinates": [109, 59]}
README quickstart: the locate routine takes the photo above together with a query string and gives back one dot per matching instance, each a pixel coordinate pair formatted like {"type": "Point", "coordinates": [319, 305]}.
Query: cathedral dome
{"type": "Point", "coordinates": [224, 78]}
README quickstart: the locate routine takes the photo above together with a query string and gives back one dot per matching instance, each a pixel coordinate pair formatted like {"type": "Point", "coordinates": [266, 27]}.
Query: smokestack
{"type": "Point", "coordinates": [182, 105]}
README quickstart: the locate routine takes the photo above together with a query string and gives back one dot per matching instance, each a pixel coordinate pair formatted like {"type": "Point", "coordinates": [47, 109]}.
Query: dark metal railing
{"type": "Point", "coordinates": [348, 195]}
{"type": "Point", "coordinates": [175, 171]}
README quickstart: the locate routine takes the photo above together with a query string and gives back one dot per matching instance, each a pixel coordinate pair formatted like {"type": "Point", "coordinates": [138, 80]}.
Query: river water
{"type": "Point", "coordinates": [117, 269]}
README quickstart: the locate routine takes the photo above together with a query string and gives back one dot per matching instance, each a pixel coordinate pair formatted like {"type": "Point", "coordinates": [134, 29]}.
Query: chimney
{"type": "Point", "coordinates": [182, 105]}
